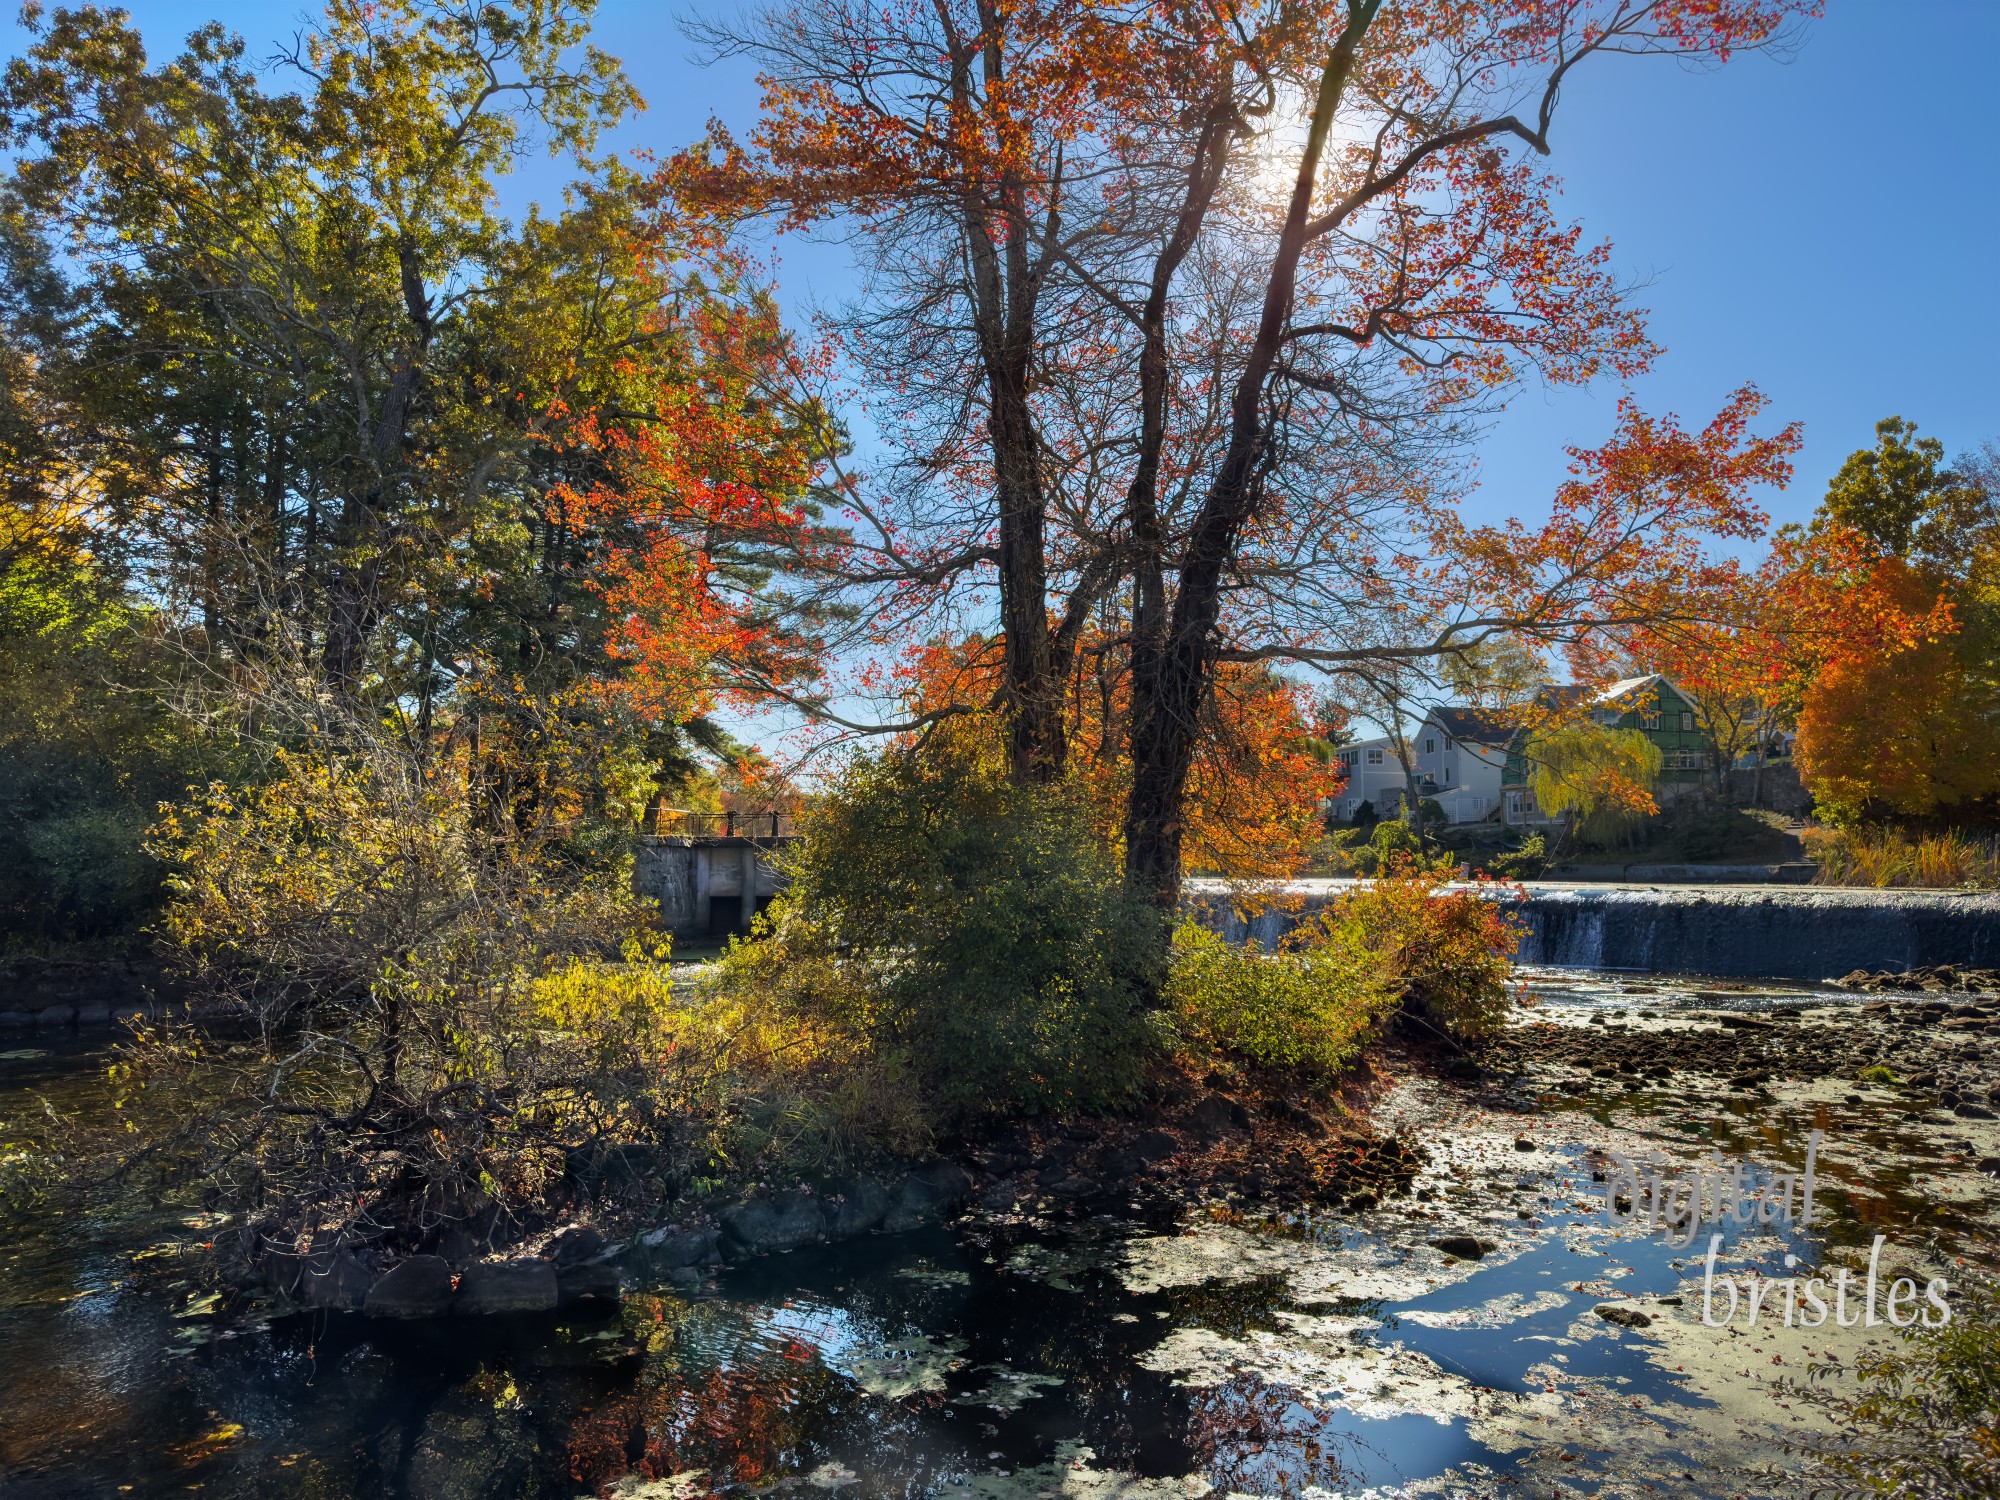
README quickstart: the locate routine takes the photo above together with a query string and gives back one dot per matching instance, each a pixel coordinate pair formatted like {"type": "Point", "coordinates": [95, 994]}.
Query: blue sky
{"type": "Point", "coordinates": [1826, 226]}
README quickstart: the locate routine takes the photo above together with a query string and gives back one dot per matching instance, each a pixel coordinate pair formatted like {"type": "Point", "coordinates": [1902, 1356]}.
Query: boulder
{"type": "Point", "coordinates": [1464, 1246]}
{"type": "Point", "coordinates": [336, 1282]}
{"type": "Point", "coordinates": [506, 1286]}
{"type": "Point", "coordinates": [856, 1208]}
{"type": "Point", "coordinates": [764, 1224]}
{"type": "Point", "coordinates": [56, 1015]}
{"type": "Point", "coordinates": [591, 1283]}
{"type": "Point", "coordinates": [575, 1245]}
{"type": "Point", "coordinates": [926, 1195]}
{"type": "Point", "coordinates": [1077, 1185]}
{"type": "Point", "coordinates": [665, 1251]}
{"type": "Point", "coordinates": [1218, 1115]}
{"type": "Point", "coordinates": [1623, 1316]}
{"type": "Point", "coordinates": [419, 1287]}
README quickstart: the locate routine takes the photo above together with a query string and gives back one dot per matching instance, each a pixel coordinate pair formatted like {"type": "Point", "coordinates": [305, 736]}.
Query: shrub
{"type": "Point", "coordinates": [1311, 1006]}
{"type": "Point", "coordinates": [1395, 837]}
{"type": "Point", "coordinates": [1926, 1419]}
{"type": "Point", "coordinates": [1446, 951]}
{"type": "Point", "coordinates": [971, 931]}
{"type": "Point", "coordinates": [1524, 863]}
{"type": "Point", "coordinates": [407, 973]}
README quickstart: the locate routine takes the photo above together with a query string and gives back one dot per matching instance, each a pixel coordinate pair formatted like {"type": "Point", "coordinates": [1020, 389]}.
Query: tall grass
{"type": "Point", "coordinates": [1889, 858]}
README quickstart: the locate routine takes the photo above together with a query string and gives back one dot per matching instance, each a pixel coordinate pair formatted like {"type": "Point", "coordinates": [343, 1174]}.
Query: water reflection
{"type": "Point", "coordinates": [1063, 1355]}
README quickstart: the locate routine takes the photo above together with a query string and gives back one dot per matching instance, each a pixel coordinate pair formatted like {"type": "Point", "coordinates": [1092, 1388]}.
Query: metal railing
{"type": "Point", "coordinates": [676, 822]}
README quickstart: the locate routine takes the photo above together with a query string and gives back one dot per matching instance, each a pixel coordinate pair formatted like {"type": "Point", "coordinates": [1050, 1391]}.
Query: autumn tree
{"type": "Point", "coordinates": [1906, 730]}
{"type": "Point", "coordinates": [1126, 380]}
{"type": "Point", "coordinates": [1261, 777]}
{"type": "Point", "coordinates": [356, 419]}
{"type": "Point", "coordinates": [1597, 779]}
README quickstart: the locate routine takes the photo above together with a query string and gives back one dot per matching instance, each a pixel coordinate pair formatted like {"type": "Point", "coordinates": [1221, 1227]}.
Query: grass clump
{"type": "Point", "coordinates": [1875, 1073]}
{"type": "Point", "coordinates": [1887, 857]}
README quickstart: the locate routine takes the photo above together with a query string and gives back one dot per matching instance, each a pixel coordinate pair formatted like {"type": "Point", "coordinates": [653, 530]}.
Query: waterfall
{"type": "Point", "coordinates": [1807, 933]}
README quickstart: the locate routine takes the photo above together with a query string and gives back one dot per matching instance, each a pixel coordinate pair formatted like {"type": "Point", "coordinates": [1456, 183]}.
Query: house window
{"type": "Point", "coordinates": [1687, 723]}
{"type": "Point", "coordinates": [1430, 746]}
{"type": "Point", "coordinates": [1374, 757]}
{"type": "Point", "coordinates": [1447, 775]}
{"type": "Point", "coordinates": [1649, 721]}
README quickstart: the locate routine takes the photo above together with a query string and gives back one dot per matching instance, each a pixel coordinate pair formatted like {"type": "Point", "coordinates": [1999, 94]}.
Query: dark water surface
{"type": "Point", "coordinates": [1045, 1355]}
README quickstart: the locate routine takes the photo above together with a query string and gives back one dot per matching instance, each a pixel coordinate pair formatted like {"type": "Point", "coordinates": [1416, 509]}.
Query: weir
{"type": "Point", "coordinates": [1770, 932]}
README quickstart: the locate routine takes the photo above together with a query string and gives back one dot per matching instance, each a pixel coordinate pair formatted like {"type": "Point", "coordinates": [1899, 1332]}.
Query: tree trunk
{"type": "Point", "coordinates": [1149, 594]}
{"type": "Point", "coordinates": [352, 592]}
{"type": "Point", "coordinates": [1035, 733]}
{"type": "Point", "coordinates": [1180, 678]}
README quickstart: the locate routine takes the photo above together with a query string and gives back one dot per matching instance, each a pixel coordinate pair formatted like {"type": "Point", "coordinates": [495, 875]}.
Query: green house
{"type": "Point", "coordinates": [1650, 704]}
{"type": "Point", "coordinates": [1656, 708]}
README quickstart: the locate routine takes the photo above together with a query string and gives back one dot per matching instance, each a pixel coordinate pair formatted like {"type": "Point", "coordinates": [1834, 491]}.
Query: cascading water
{"type": "Point", "coordinates": [1808, 933]}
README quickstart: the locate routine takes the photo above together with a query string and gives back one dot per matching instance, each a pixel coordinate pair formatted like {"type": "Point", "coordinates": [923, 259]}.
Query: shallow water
{"type": "Point", "coordinates": [1042, 1354]}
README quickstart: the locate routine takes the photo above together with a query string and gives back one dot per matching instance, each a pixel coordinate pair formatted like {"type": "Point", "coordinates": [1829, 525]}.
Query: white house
{"type": "Point", "coordinates": [1374, 776]}
{"type": "Point", "coordinates": [1460, 756]}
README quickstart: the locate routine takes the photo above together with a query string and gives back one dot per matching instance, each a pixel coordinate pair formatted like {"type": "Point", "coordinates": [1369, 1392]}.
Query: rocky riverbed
{"type": "Point", "coordinates": [1405, 1287]}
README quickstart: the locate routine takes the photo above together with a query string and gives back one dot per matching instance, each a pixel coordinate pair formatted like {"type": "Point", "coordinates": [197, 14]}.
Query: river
{"type": "Point", "coordinates": [1047, 1352]}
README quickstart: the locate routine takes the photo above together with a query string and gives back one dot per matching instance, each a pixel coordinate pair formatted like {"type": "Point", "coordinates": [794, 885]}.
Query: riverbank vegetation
{"type": "Point", "coordinates": [393, 560]}
{"type": "Point", "coordinates": [1885, 857]}
{"type": "Point", "coordinates": [1919, 1419]}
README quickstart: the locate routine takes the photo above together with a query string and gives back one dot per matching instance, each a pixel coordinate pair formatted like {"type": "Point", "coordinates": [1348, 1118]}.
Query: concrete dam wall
{"type": "Point", "coordinates": [1809, 933]}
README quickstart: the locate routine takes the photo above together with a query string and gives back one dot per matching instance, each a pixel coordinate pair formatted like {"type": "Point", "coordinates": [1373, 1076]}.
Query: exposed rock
{"type": "Point", "coordinates": [575, 1245]}
{"type": "Point", "coordinates": [1623, 1316]}
{"type": "Point", "coordinates": [926, 1195]}
{"type": "Point", "coordinates": [590, 1283]}
{"type": "Point", "coordinates": [319, 1279]}
{"type": "Point", "coordinates": [419, 1287]}
{"type": "Point", "coordinates": [1076, 1186]}
{"type": "Point", "coordinates": [337, 1282]}
{"type": "Point", "coordinates": [1150, 1147]}
{"type": "Point", "coordinates": [1464, 1246]}
{"type": "Point", "coordinates": [855, 1208]}
{"type": "Point", "coordinates": [665, 1251]}
{"type": "Point", "coordinates": [1218, 1115]}
{"type": "Point", "coordinates": [999, 1195]}
{"type": "Point", "coordinates": [1936, 978]}
{"type": "Point", "coordinates": [506, 1286]}
{"type": "Point", "coordinates": [762, 1225]}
